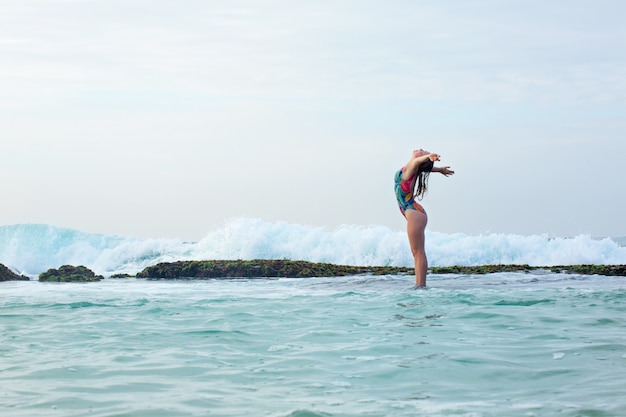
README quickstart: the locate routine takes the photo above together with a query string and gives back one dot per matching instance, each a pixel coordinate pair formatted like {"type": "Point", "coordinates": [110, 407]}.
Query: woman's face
{"type": "Point", "coordinates": [420, 152]}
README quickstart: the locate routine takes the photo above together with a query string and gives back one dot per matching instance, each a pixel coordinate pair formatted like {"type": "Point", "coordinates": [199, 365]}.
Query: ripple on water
{"type": "Point", "coordinates": [322, 347]}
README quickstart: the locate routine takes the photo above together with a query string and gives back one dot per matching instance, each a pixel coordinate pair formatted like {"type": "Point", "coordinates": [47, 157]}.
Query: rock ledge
{"type": "Point", "coordinates": [7, 275]}
{"type": "Point", "coordinates": [69, 273]}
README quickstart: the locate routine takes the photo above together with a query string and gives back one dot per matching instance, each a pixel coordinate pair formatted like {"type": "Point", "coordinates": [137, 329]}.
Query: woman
{"type": "Point", "coordinates": [411, 182]}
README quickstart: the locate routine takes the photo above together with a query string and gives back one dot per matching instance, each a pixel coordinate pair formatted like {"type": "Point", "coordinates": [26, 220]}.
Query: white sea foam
{"type": "Point", "coordinates": [32, 249]}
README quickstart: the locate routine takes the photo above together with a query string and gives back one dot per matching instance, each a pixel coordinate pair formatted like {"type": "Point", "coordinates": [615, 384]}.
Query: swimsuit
{"type": "Point", "coordinates": [404, 193]}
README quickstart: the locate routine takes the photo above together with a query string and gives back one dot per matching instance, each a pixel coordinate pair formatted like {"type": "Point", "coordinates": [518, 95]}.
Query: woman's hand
{"type": "Point", "coordinates": [446, 171]}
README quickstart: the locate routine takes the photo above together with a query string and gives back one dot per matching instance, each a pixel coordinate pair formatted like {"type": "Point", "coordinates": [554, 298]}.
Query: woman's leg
{"type": "Point", "coordinates": [415, 226]}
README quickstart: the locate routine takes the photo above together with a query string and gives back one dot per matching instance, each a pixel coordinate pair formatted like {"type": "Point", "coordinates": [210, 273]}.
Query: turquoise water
{"type": "Point", "coordinates": [494, 345]}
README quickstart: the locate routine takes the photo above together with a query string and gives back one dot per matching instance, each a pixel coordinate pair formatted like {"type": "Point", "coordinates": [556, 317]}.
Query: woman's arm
{"type": "Point", "coordinates": [443, 170]}
{"type": "Point", "coordinates": [410, 169]}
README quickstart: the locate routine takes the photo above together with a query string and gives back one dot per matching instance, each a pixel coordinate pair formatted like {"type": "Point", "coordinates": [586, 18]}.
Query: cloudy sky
{"type": "Point", "coordinates": [157, 118]}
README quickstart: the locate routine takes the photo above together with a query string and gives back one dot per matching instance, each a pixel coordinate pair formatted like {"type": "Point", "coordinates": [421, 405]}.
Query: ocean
{"type": "Point", "coordinates": [31, 249]}
{"type": "Point", "coordinates": [505, 344]}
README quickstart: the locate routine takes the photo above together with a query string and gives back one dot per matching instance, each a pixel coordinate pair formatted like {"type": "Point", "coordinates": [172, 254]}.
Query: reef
{"type": "Point", "coordinates": [122, 276]}
{"type": "Point", "coordinates": [260, 268]}
{"type": "Point", "coordinates": [608, 270]}
{"type": "Point", "coordinates": [263, 268]}
{"type": "Point", "coordinates": [277, 268]}
{"type": "Point", "coordinates": [7, 275]}
{"type": "Point", "coordinates": [69, 273]}
{"type": "Point", "coordinates": [584, 269]}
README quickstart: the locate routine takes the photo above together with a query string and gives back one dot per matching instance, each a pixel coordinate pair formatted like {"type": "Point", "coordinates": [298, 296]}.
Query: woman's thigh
{"type": "Point", "coordinates": [415, 225]}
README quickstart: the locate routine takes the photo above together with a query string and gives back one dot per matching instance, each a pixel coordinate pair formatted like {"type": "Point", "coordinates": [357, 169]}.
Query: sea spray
{"type": "Point", "coordinates": [32, 248]}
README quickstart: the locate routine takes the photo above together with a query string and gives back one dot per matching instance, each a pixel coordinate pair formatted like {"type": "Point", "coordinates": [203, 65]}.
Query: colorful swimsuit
{"type": "Point", "coordinates": [404, 194]}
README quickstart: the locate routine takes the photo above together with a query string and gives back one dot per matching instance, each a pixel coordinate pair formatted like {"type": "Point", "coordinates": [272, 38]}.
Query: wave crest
{"type": "Point", "coordinates": [32, 249]}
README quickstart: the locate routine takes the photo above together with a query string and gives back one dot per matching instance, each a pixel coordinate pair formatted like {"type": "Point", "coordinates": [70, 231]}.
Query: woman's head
{"type": "Point", "coordinates": [427, 165]}
{"type": "Point", "coordinates": [419, 152]}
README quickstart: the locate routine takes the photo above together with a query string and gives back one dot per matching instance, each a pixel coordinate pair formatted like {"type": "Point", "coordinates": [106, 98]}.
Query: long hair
{"type": "Point", "coordinates": [423, 172]}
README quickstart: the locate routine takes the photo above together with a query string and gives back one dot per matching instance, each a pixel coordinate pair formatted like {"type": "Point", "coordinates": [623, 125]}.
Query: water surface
{"type": "Point", "coordinates": [502, 344]}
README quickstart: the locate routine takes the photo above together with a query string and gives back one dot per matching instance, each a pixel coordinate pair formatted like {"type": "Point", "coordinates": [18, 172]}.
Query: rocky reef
{"type": "Point", "coordinates": [69, 273]}
{"type": "Point", "coordinates": [608, 270]}
{"type": "Point", "coordinates": [263, 268]}
{"type": "Point", "coordinates": [260, 268]}
{"type": "Point", "coordinates": [268, 268]}
{"type": "Point", "coordinates": [7, 275]}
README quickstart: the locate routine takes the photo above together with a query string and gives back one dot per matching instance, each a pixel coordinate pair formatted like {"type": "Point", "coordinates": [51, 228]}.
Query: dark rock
{"type": "Point", "coordinates": [481, 269]}
{"type": "Point", "coordinates": [69, 273]}
{"type": "Point", "coordinates": [259, 268]}
{"type": "Point", "coordinates": [7, 275]}
{"type": "Point", "coordinates": [122, 276]}
{"type": "Point", "coordinates": [608, 270]}
{"type": "Point", "coordinates": [264, 268]}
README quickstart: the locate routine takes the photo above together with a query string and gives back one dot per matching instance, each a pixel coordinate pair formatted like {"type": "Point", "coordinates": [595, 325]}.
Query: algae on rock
{"type": "Point", "coordinates": [69, 273]}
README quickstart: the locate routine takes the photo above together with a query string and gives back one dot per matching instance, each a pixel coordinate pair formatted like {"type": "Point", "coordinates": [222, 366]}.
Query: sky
{"type": "Point", "coordinates": [154, 118]}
